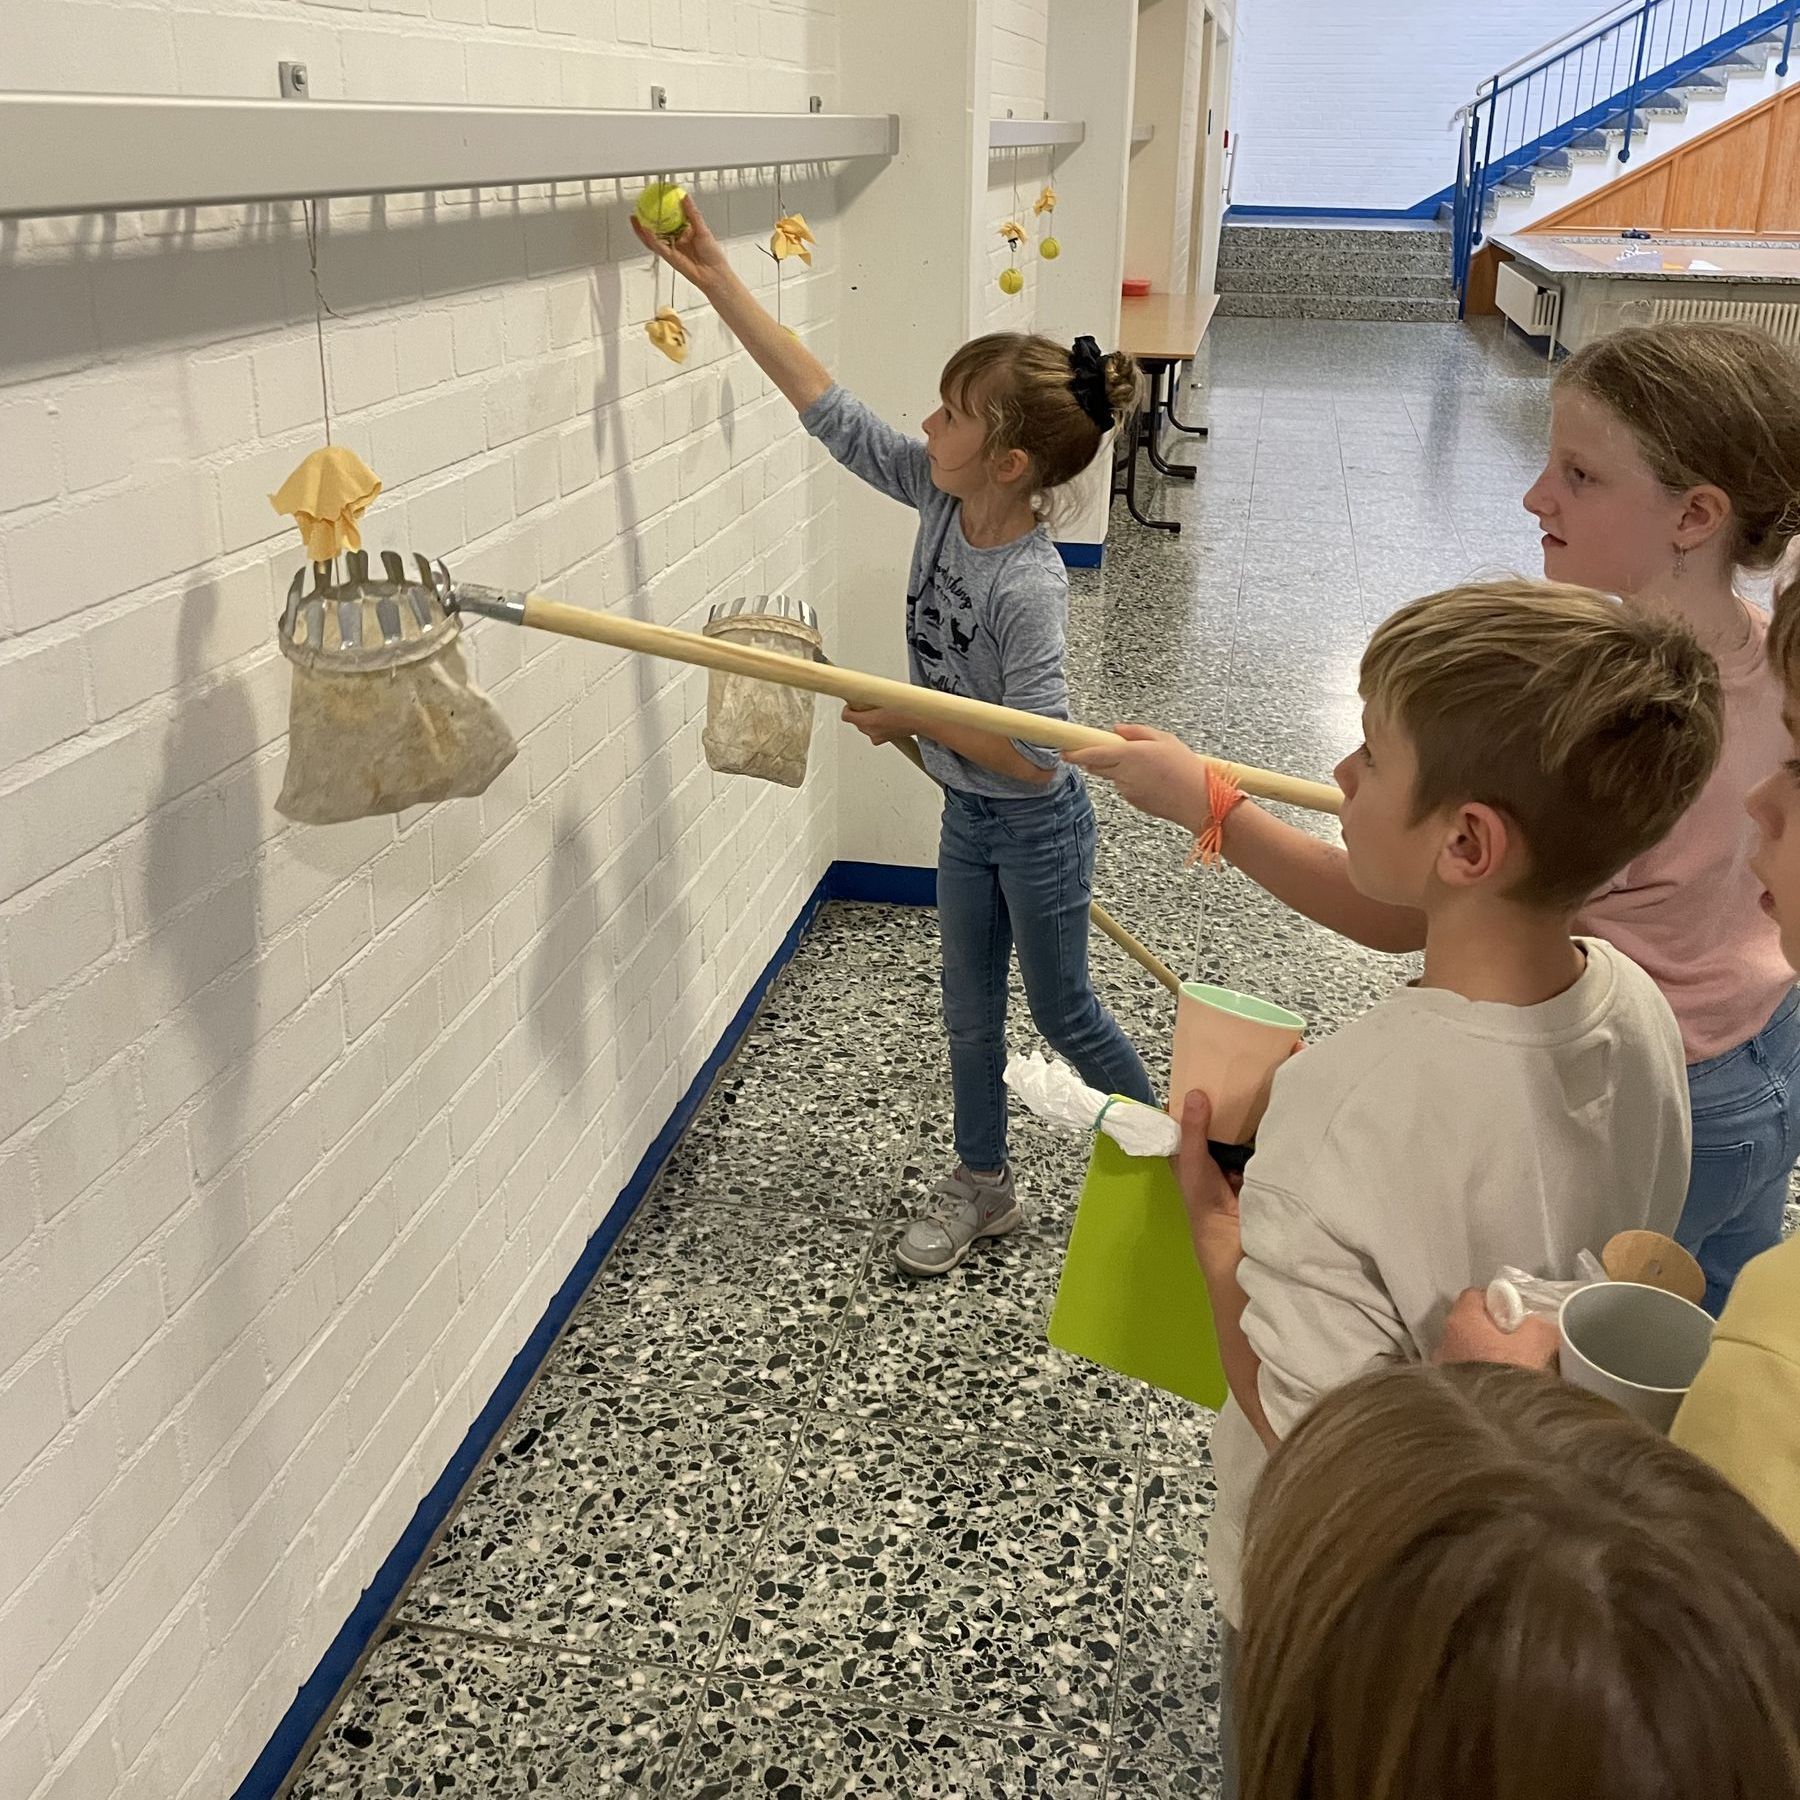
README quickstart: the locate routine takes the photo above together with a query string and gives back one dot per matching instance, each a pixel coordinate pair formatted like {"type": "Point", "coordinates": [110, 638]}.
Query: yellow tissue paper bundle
{"type": "Point", "coordinates": [791, 238]}
{"type": "Point", "coordinates": [668, 334]}
{"type": "Point", "coordinates": [325, 497]}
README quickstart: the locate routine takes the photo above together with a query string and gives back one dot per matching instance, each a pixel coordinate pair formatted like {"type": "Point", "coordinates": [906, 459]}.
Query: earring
{"type": "Point", "coordinates": [1680, 561]}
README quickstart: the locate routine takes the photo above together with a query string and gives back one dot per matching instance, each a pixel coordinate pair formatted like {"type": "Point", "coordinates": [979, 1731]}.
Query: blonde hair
{"type": "Point", "coordinates": [1592, 729]}
{"type": "Point", "coordinates": [1480, 1582]}
{"type": "Point", "coordinates": [1710, 405]}
{"type": "Point", "coordinates": [1021, 387]}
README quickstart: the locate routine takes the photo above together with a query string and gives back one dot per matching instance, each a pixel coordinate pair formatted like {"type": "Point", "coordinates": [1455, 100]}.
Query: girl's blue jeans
{"type": "Point", "coordinates": [1017, 875]}
{"type": "Point", "coordinates": [1746, 1107]}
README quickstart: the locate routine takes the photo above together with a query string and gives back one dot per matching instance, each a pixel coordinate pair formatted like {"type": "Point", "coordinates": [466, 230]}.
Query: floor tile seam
{"type": "Point", "coordinates": [1362, 604]}
{"type": "Point", "coordinates": [828, 1698]}
{"type": "Point", "coordinates": [777, 1497]}
{"type": "Point", "coordinates": [1117, 1697]}
{"type": "Point", "coordinates": [558, 1650]}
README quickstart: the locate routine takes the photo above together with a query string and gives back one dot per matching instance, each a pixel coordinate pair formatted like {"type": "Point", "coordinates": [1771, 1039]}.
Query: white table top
{"type": "Point", "coordinates": [1663, 256]}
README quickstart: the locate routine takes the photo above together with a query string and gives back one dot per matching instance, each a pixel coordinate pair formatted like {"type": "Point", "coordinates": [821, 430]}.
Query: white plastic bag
{"type": "Point", "coordinates": [1513, 1295]}
{"type": "Point", "coordinates": [1053, 1092]}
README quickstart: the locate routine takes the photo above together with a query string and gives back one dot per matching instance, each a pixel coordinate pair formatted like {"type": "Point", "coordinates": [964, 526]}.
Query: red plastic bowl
{"type": "Point", "coordinates": [1134, 287]}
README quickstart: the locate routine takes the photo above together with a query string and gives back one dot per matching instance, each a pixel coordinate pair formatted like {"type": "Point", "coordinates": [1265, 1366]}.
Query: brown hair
{"type": "Point", "coordinates": [1711, 405]}
{"type": "Point", "coordinates": [1020, 385]}
{"type": "Point", "coordinates": [1591, 728]}
{"type": "Point", "coordinates": [1783, 642]}
{"type": "Point", "coordinates": [1480, 1582]}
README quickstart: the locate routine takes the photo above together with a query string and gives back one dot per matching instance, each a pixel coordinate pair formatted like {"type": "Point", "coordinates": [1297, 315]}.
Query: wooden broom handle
{"type": "Point", "coordinates": [856, 689]}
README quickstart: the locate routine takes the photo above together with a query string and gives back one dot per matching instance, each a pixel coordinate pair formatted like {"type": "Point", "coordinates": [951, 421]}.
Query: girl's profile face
{"type": "Point", "coordinates": [955, 443]}
{"type": "Point", "coordinates": [1608, 522]}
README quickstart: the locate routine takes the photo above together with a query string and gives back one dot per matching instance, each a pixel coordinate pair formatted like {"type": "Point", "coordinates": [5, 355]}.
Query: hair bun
{"type": "Point", "coordinates": [1124, 385]}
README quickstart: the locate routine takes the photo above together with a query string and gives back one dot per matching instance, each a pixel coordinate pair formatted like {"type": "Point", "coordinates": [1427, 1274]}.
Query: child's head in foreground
{"type": "Point", "coordinates": [1775, 803]}
{"type": "Point", "coordinates": [1479, 1583]}
{"type": "Point", "coordinates": [1674, 456]}
{"type": "Point", "coordinates": [1525, 740]}
{"type": "Point", "coordinates": [1022, 413]}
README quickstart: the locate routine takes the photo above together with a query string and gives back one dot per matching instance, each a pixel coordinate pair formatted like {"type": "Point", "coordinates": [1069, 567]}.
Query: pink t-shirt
{"type": "Point", "coordinates": [1686, 912]}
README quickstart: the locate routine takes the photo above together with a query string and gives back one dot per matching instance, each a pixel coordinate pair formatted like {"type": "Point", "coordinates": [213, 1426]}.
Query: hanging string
{"type": "Point", "coordinates": [780, 213]}
{"type": "Point", "coordinates": [321, 306]}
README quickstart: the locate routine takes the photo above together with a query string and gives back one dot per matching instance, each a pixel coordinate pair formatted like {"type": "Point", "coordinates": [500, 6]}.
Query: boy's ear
{"type": "Point", "coordinates": [1478, 844]}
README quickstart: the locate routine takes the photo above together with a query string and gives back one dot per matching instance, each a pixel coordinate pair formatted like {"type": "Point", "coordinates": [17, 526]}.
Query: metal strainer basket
{"type": "Point", "coordinates": [383, 714]}
{"type": "Point", "coordinates": [754, 727]}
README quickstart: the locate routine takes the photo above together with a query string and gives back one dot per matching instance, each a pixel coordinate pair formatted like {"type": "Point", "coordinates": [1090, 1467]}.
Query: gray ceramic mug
{"type": "Point", "coordinates": [1639, 1346]}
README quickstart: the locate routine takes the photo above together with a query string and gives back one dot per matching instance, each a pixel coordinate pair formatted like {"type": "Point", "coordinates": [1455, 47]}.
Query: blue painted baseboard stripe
{"type": "Point", "coordinates": [314, 1700]}
{"type": "Point", "coordinates": [1420, 209]}
{"type": "Point", "coordinates": [889, 884]}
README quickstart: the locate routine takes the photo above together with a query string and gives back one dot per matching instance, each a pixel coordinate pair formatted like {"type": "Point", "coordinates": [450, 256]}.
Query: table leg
{"type": "Point", "coordinates": [1132, 436]}
{"type": "Point", "coordinates": [1158, 405]}
{"type": "Point", "coordinates": [1199, 431]}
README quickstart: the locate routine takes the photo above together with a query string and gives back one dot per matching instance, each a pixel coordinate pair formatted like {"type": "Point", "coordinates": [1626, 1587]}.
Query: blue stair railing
{"type": "Point", "coordinates": [1597, 77]}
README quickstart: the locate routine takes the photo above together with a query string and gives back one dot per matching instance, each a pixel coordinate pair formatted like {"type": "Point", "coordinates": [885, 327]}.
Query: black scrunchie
{"type": "Point", "coordinates": [1088, 383]}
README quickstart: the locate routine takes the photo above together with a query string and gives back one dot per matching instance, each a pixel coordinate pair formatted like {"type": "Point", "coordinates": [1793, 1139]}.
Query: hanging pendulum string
{"type": "Point", "coordinates": [780, 213]}
{"type": "Point", "coordinates": [321, 306]}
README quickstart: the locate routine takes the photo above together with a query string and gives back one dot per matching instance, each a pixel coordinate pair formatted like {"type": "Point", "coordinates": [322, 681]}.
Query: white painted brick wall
{"type": "Point", "coordinates": [1349, 106]}
{"type": "Point", "coordinates": [300, 1130]}
{"type": "Point", "coordinates": [1018, 55]}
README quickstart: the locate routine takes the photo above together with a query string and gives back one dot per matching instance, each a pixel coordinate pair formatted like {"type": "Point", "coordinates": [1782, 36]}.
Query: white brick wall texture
{"type": "Point", "coordinates": [1349, 106]}
{"type": "Point", "coordinates": [300, 1129]}
{"type": "Point", "coordinates": [1019, 41]}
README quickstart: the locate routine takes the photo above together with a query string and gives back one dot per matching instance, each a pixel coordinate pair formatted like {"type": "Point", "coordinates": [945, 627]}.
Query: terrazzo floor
{"type": "Point", "coordinates": [776, 1521]}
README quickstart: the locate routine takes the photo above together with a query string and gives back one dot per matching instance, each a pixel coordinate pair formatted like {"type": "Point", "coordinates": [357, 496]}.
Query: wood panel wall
{"type": "Point", "coordinates": [1743, 175]}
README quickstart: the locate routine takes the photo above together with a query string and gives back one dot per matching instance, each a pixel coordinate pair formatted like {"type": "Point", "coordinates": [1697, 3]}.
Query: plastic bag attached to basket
{"type": "Point", "coordinates": [383, 713]}
{"type": "Point", "coordinates": [756, 727]}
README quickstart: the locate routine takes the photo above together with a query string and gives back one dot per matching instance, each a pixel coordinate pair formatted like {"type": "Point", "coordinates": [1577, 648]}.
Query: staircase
{"type": "Point", "coordinates": [1327, 269]}
{"type": "Point", "coordinates": [1574, 112]}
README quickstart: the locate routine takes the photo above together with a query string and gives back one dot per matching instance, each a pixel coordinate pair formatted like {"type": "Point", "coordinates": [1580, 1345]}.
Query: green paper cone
{"type": "Point", "coordinates": [1132, 1297]}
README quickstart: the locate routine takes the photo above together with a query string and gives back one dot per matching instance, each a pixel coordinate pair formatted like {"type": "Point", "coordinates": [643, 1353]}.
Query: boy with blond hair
{"type": "Point", "coordinates": [1526, 1098]}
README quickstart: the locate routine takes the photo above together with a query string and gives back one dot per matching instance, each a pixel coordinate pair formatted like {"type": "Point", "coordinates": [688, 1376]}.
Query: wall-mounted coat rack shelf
{"type": "Point", "coordinates": [1034, 134]}
{"type": "Point", "coordinates": [97, 153]}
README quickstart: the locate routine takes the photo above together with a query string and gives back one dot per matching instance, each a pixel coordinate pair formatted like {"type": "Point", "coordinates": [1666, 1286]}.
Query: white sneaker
{"type": "Point", "coordinates": [961, 1211]}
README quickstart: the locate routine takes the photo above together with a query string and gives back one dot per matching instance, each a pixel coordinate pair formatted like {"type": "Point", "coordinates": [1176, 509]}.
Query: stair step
{"type": "Point", "coordinates": [1306, 306]}
{"type": "Point", "coordinates": [1357, 281]}
{"type": "Point", "coordinates": [1700, 87]}
{"type": "Point", "coordinates": [1588, 146]}
{"type": "Point", "coordinates": [1742, 62]}
{"type": "Point", "coordinates": [1252, 247]}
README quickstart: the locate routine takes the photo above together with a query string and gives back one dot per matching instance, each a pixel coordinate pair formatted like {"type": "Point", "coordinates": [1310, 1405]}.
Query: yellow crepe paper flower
{"type": "Point", "coordinates": [1013, 232]}
{"type": "Point", "coordinates": [791, 238]}
{"type": "Point", "coordinates": [668, 334]}
{"type": "Point", "coordinates": [325, 497]}
{"type": "Point", "coordinates": [1046, 201]}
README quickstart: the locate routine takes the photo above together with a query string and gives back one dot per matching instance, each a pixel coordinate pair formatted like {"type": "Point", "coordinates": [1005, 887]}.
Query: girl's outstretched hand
{"type": "Point", "coordinates": [695, 253]}
{"type": "Point", "coordinates": [1153, 771]}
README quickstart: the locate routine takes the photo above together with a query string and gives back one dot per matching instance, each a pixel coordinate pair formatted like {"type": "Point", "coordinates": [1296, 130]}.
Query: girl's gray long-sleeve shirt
{"type": "Point", "coordinates": [988, 624]}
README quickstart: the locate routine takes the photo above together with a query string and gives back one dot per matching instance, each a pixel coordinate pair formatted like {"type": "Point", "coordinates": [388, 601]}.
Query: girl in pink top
{"type": "Point", "coordinates": [1674, 463]}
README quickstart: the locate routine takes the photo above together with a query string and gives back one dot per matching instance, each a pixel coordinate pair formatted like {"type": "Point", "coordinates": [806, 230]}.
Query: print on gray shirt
{"type": "Point", "coordinates": [988, 624]}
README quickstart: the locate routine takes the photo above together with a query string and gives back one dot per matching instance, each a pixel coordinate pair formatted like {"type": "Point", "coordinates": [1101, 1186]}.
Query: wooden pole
{"type": "Point", "coordinates": [857, 689]}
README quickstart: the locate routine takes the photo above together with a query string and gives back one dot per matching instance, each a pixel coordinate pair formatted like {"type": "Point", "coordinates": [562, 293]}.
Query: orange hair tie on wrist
{"type": "Point", "coordinates": [1223, 798]}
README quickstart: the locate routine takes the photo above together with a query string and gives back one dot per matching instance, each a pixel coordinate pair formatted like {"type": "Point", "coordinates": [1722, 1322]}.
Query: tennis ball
{"type": "Point", "coordinates": [1049, 249]}
{"type": "Point", "coordinates": [1011, 281]}
{"type": "Point", "coordinates": [659, 209]}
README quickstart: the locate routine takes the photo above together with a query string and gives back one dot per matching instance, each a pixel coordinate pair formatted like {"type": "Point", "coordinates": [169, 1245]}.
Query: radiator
{"type": "Point", "coordinates": [1780, 318]}
{"type": "Point", "coordinates": [1535, 310]}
